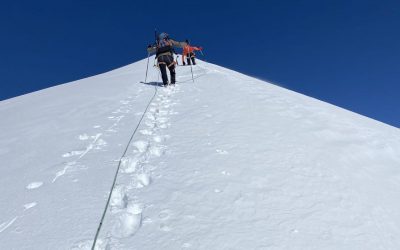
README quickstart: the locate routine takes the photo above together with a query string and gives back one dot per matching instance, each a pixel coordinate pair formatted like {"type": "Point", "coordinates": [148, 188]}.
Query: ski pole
{"type": "Point", "coordinates": [191, 69]}
{"type": "Point", "coordinates": [190, 58]}
{"type": "Point", "coordinates": [156, 44]}
{"type": "Point", "coordinates": [147, 67]}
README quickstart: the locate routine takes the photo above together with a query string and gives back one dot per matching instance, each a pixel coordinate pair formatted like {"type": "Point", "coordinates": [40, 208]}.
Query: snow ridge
{"type": "Point", "coordinates": [225, 162]}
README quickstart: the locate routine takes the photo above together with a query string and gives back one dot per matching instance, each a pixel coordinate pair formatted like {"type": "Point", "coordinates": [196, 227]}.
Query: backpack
{"type": "Point", "coordinates": [163, 44]}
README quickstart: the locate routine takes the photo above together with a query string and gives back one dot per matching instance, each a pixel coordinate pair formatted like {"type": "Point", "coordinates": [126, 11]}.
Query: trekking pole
{"type": "Point", "coordinates": [147, 67]}
{"type": "Point", "coordinates": [156, 44]}
{"type": "Point", "coordinates": [191, 69]}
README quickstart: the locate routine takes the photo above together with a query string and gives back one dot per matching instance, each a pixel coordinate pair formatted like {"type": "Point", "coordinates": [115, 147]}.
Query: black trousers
{"type": "Point", "coordinates": [164, 62]}
{"type": "Point", "coordinates": [190, 56]}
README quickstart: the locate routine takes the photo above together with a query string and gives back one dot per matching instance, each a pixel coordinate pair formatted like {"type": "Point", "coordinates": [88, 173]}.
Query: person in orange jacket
{"type": "Point", "coordinates": [188, 51]}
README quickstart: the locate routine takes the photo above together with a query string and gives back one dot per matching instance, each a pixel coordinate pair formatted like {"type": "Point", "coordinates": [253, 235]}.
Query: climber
{"type": "Point", "coordinates": [188, 51]}
{"type": "Point", "coordinates": [164, 49]}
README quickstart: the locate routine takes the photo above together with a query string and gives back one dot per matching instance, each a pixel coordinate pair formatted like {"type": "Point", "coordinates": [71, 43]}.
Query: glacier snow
{"type": "Point", "coordinates": [225, 162]}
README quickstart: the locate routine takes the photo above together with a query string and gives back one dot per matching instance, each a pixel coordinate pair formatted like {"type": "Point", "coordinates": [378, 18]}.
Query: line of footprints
{"type": "Point", "coordinates": [95, 143]}
{"type": "Point", "coordinates": [136, 168]}
{"type": "Point", "coordinates": [124, 217]}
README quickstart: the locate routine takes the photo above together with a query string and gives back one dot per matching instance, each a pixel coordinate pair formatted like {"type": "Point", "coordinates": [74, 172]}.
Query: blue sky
{"type": "Point", "coordinates": [343, 52]}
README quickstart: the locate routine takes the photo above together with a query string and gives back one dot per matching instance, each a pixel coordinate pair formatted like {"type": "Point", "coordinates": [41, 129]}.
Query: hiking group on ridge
{"type": "Point", "coordinates": [164, 50]}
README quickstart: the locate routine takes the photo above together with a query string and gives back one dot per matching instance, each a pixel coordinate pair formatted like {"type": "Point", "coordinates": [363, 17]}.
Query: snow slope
{"type": "Point", "coordinates": [226, 162]}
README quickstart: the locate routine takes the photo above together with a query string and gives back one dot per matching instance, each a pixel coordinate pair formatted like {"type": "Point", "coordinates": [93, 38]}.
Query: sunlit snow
{"type": "Point", "coordinates": [224, 162]}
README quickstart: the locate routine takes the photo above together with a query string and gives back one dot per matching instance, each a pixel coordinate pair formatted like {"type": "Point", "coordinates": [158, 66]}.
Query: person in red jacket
{"type": "Point", "coordinates": [188, 51]}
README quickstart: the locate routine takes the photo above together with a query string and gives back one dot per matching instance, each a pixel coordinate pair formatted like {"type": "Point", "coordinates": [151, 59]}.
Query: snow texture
{"type": "Point", "coordinates": [225, 162]}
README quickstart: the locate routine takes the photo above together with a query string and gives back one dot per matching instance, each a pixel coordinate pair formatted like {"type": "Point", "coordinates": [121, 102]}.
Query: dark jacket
{"type": "Point", "coordinates": [166, 50]}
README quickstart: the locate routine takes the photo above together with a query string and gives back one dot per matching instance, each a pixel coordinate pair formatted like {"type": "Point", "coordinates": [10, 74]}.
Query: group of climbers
{"type": "Point", "coordinates": [164, 50]}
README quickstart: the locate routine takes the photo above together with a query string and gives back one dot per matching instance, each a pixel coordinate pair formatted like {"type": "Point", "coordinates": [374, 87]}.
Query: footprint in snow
{"type": "Point", "coordinates": [164, 214]}
{"type": "Point", "coordinates": [165, 228]}
{"type": "Point", "coordinates": [158, 138]}
{"type": "Point", "coordinates": [72, 153]}
{"type": "Point", "coordinates": [163, 113]}
{"type": "Point", "coordinates": [146, 132]}
{"type": "Point", "coordinates": [34, 185]}
{"type": "Point", "coordinates": [111, 130]}
{"type": "Point", "coordinates": [156, 151]}
{"type": "Point", "coordinates": [151, 125]}
{"type": "Point", "coordinates": [154, 110]}
{"type": "Point", "coordinates": [225, 173]}
{"type": "Point", "coordinates": [222, 152]}
{"type": "Point", "coordinates": [117, 111]}
{"type": "Point", "coordinates": [143, 180]}
{"type": "Point", "coordinates": [83, 137]}
{"type": "Point", "coordinates": [119, 198]}
{"type": "Point", "coordinates": [141, 146]}
{"type": "Point", "coordinates": [129, 165]}
{"type": "Point", "coordinates": [128, 222]}
{"type": "Point", "coordinates": [100, 143]}
{"type": "Point", "coordinates": [30, 205]}
{"type": "Point", "coordinates": [63, 171]}
{"type": "Point", "coordinates": [164, 125]}
{"type": "Point", "coordinates": [116, 118]}
{"type": "Point", "coordinates": [147, 220]}
{"type": "Point", "coordinates": [162, 120]}
{"type": "Point", "coordinates": [151, 117]}
{"type": "Point", "coordinates": [186, 245]}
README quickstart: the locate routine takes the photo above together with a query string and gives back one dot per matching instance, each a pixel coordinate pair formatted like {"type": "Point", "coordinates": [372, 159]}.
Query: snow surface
{"type": "Point", "coordinates": [226, 162]}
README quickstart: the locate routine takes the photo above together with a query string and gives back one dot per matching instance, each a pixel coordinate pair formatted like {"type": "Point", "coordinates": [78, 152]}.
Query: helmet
{"type": "Point", "coordinates": [163, 36]}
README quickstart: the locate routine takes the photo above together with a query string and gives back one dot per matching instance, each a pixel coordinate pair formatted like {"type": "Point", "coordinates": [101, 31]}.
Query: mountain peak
{"type": "Point", "coordinates": [219, 161]}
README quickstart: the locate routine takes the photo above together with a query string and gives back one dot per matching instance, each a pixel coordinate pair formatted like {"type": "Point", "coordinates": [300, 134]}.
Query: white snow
{"type": "Point", "coordinates": [144, 179]}
{"type": "Point", "coordinates": [83, 137]}
{"type": "Point", "coordinates": [34, 185]}
{"type": "Point", "coordinates": [30, 205]}
{"type": "Point", "coordinates": [141, 146]}
{"type": "Point", "coordinates": [225, 162]}
{"type": "Point", "coordinates": [128, 222]}
{"type": "Point", "coordinates": [129, 165]}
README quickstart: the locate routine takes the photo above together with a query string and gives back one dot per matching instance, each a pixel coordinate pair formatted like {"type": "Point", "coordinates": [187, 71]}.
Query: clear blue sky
{"type": "Point", "coordinates": [341, 51]}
